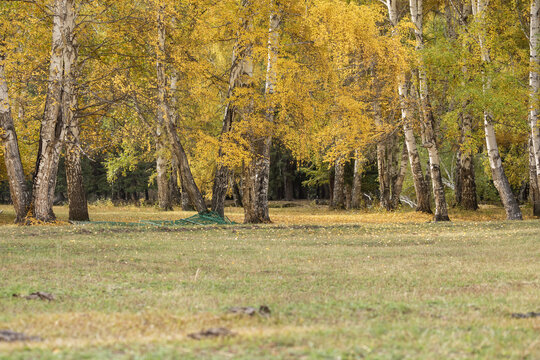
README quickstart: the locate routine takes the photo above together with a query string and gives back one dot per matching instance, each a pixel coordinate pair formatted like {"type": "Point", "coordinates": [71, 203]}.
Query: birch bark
{"type": "Point", "coordinates": [239, 74]}
{"type": "Point", "coordinates": [162, 164]}
{"type": "Point", "coordinates": [257, 173]}
{"type": "Point", "coordinates": [169, 122]}
{"type": "Point", "coordinates": [500, 180]}
{"type": "Point", "coordinates": [534, 86]}
{"type": "Point", "coordinates": [78, 207]}
{"type": "Point", "coordinates": [428, 123]}
{"type": "Point", "coordinates": [20, 195]}
{"type": "Point", "coordinates": [420, 186]}
{"type": "Point", "coordinates": [533, 181]}
{"type": "Point", "coordinates": [53, 127]}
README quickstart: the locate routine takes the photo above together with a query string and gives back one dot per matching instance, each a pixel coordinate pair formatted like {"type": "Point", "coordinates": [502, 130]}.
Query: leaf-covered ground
{"type": "Point", "coordinates": [400, 289]}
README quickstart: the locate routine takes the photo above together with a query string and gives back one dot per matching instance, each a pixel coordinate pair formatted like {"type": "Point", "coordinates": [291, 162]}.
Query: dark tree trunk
{"type": "Point", "coordinates": [186, 203]}
{"type": "Point", "coordinates": [288, 183]}
{"type": "Point", "coordinates": [465, 180]}
{"type": "Point", "coordinates": [397, 186]}
{"type": "Point", "coordinates": [237, 194]}
{"type": "Point", "coordinates": [356, 191]}
{"type": "Point", "coordinates": [348, 196]}
{"type": "Point", "coordinates": [339, 185]}
{"type": "Point", "coordinates": [330, 189]}
{"type": "Point", "coordinates": [173, 183]}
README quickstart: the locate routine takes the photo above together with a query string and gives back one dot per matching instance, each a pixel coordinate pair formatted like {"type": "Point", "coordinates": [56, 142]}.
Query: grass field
{"type": "Point", "coordinates": [376, 286]}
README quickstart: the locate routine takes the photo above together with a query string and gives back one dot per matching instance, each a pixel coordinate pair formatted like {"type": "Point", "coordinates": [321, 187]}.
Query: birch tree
{"type": "Point", "coordinates": [12, 157]}
{"type": "Point", "coordinates": [257, 173]}
{"type": "Point", "coordinates": [240, 72]}
{"type": "Point", "coordinates": [162, 163]}
{"type": "Point", "coordinates": [428, 123]}
{"type": "Point", "coordinates": [479, 8]}
{"type": "Point", "coordinates": [406, 103]}
{"type": "Point", "coordinates": [168, 118]}
{"type": "Point", "coordinates": [53, 127]}
{"type": "Point", "coordinates": [534, 106]}
{"type": "Point", "coordinates": [78, 207]}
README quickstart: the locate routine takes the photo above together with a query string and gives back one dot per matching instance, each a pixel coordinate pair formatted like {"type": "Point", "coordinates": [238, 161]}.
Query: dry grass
{"type": "Point", "coordinates": [394, 287]}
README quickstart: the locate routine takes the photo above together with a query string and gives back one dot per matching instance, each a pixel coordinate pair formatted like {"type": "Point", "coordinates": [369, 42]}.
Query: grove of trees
{"type": "Point", "coordinates": [216, 99]}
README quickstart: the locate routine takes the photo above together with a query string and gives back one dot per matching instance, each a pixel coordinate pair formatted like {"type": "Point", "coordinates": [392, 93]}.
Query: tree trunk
{"type": "Point", "coordinates": [173, 183]}
{"type": "Point", "coordinates": [186, 203]}
{"type": "Point", "coordinates": [428, 124]}
{"type": "Point", "coordinates": [253, 184]}
{"type": "Point", "coordinates": [239, 76]}
{"type": "Point", "coordinates": [221, 179]}
{"type": "Point", "coordinates": [237, 194]}
{"type": "Point", "coordinates": [162, 179]}
{"type": "Point", "coordinates": [169, 120]}
{"type": "Point", "coordinates": [391, 172]}
{"type": "Point", "coordinates": [356, 192]}
{"type": "Point", "coordinates": [382, 160]}
{"type": "Point", "coordinates": [398, 184]}
{"type": "Point", "coordinates": [162, 165]}
{"type": "Point", "coordinates": [534, 83]}
{"type": "Point", "coordinates": [288, 185]}
{"type": "Point", "coordinates": [78, 206]}
{"type": "Point", "coordinates": [53, 127]}
{"type": "Point", "coordinates": [339, 185]}
{"type": "Point", "coordinates": [257, 172]}
{"type": "Point", "coordinates": [420, 186]}
{"type": "Point", "coordinates": [12, 157]}
{"type": "Point", "coordinates": [466, 189]}
{"type": "Point", "coordinates": [534, 185]}
{"type": "Point", "coordinates": [500, 180]}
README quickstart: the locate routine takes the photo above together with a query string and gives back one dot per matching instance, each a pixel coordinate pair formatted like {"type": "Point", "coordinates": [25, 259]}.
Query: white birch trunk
{"type": "Point", "coordinates": [169, 122]}
{"type": "Point", "coordinates": [261, 162]}
{"type": "Point", "coordinates": [420, 186]}
{"type": "Point", "coordinates": [534, 83]}
{"type": "Point", "coordinates": [241, 55]}
{"type": "Point", "coordinates": [52, 125]}
{"type": "Point", "coordinates": [20, 195]}
{"type": "Point", "coordinates": [499, 177]}
{"type": "Point", "coordinates": [164, 194]}
{"type": "Point", "coordinates": [428, 125]}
